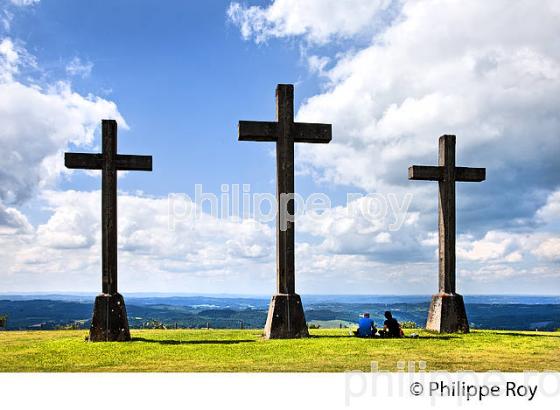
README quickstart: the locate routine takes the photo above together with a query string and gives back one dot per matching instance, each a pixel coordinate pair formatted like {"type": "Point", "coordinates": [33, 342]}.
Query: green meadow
{"type": "Point", "coordinates": [247, 351]}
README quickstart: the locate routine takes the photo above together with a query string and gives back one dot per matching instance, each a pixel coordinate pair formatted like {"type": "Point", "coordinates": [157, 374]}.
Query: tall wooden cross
{"type": "Point", "coordinates": [107, 325]}
{"type": "Point", "coordinates": [447, 313]}
{"type": "Point", "coordinates": [286, 318]}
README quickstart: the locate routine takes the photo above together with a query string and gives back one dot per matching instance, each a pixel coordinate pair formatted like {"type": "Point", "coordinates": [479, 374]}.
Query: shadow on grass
{"type": "Point", "coordinates": [383, 339]}
{"type": "Point", "coordinates": [191, 342]}
{"type": "Point", "coordinates": [329, 336]}
{"type": "Point", "coordinates": [434, 337]}
{"type": "Point", "coordinates": [523, 334]}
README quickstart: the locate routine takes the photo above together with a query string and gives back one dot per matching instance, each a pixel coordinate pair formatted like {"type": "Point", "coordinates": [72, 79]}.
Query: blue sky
{"type": "Point", "coordinates": [182, 75]}
{"type": "Point", "coordinates": [390, 76]}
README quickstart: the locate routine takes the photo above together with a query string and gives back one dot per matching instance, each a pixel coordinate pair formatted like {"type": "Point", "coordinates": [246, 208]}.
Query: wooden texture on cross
{"type": "Point", "coordinates": [446, 173]}
{"type": "Point", "coordinates": [285, 132]}
{"type": "Point", "coordinates": [109, 162]}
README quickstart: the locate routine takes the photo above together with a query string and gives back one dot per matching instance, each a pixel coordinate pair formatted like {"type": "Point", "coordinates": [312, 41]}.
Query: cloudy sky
{"type": "Point", "coordinates": [391, 76]}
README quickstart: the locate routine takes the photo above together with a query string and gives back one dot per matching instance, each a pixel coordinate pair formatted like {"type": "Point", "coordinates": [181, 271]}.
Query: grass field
{"type": "Point", "coordinates": [246, 351]}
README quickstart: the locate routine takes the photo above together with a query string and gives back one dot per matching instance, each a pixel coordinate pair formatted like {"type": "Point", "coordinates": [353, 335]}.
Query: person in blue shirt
{"type": "Point", "coordinates": [366, 326]}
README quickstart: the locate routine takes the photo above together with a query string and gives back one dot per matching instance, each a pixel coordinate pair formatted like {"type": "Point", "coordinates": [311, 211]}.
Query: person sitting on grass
{"type": "Point", "coordinates": [366, 326]}
{"type": "Point", "coordinates": [391, 328]}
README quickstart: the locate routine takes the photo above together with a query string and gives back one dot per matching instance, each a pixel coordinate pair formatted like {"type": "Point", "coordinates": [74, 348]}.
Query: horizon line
{"type": "Point", "coordinates": [256, 295]}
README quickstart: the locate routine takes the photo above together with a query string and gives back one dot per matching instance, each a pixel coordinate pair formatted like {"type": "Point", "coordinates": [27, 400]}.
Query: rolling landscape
{"type": "Point", "coordinates": [73, 311]}
{"type": "Point", "coordinates": [48, 333]}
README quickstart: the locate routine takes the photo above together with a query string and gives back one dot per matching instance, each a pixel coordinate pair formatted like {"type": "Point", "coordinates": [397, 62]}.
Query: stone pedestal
{"type": "Point", "coordinates": [109, 322]}
{"type": "Point", "coordinates": [286, 319]}
{"type": "Point", "coordinates": [447, 314]}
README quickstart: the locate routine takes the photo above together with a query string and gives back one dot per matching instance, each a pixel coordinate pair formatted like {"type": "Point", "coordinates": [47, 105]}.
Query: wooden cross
{"type": "Point", "coordinates": [109, 162]}
{"type": "Point", "coordinates": [446, 174]}
{"type": "Point", "coordinates": [285, 132]}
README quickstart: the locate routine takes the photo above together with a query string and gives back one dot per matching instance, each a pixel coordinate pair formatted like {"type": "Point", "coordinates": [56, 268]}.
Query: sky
{"type": "Point", "coordinates": [390, 76]}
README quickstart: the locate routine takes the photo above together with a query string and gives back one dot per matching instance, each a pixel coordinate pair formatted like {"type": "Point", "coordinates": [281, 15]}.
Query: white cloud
{"type": "Point", "coordinates": [367, 228]}
{"type": "Point", "coordinates": [13, 221]}
{"type": "Point", "coordinates": [317, 64]}
{"type": "Point", "coordinates": [208, 254]}
{"type": "Point", "coordinates": [6, 19]}
{"type": "Point", "coordinates": [494, 246]}
{"type": "Point", "coordinates": [74, 223]}
{"type": "Point", "coordinates": [426, 73]}
{"type": "Point", "coordinates": [550, 212]}
{"type": "Point", "coordinates": [507, 247]}
{"type": "Point", "coordinates": [503, 247]}
{"type": "Point", "coordinates": [38, 124]}
{"type": "Point", "coordinates": [23, 3]}
{"type": "Point", "coordinates": [317, 20]}
{"type": "Point", "coordinates": [494, 272]}
{"type": "Point", "coordinates": [151, 255]}
{"type": "Point", "coordinates": [430, 73]}
{"type": "Point", "coordinates": [9, 59]}
{"type": "Point", "coordinates": [77, 67]}
{"type": "Point", "coordinates": [488, 72]}
{"type": "Point", "coordinates": [549, 250]}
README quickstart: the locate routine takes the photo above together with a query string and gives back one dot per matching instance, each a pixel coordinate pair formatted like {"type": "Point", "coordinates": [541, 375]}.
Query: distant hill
{"type": "Point", "coordinates": [485, 312]}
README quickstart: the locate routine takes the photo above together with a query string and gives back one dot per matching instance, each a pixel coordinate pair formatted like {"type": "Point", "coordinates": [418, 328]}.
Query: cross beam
{"type": "Point", "coordinates": [446, 174]}
{"type": "Point", "coordinates": [265, 131]}
{"type": "Point", "coordinates": [462, 174]}
{"type": "Point", "coordinates": [109, 162]}
{"type": "Point", "coordinates": [77, 160]}
{"type": "Point", "coordinates": [285, 132]}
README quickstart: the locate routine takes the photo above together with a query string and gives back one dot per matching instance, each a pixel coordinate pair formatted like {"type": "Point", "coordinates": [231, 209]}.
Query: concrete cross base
{"type": "Point", "coordinates": [447, 314]}
{"type": "Point", "coordinates": [109, 322]}
{"type": "Point", "coordinates": [286, 319]}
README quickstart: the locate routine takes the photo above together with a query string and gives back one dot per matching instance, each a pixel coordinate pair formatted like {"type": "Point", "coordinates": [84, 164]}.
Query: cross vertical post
{"type": "Point", "coordinates": [447, 310]}
{"type": "Point", "coordinates": [109, 321]}
{"type": "Point", "coordinates": [109, 208]}
{"type": "Point", "coordinates": [286, 318]}
{"type": "Point", "coordinates": [446, 223]}
{"type": "Point", "coordinates": [285, 251]}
